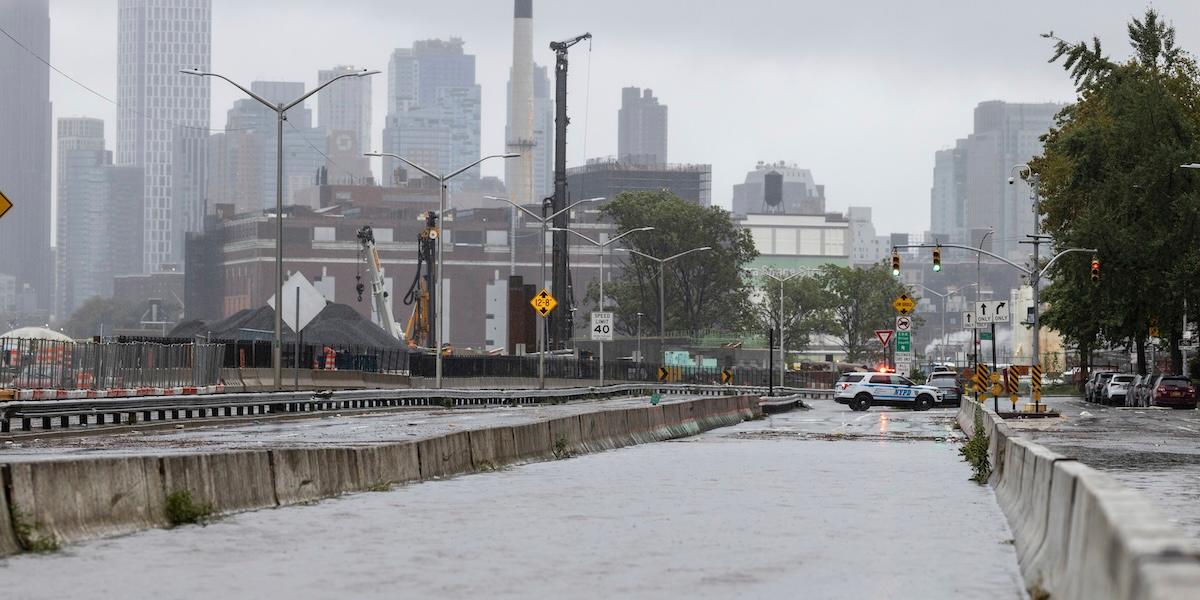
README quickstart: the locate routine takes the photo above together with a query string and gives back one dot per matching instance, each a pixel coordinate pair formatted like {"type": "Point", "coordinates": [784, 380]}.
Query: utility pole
{"type": "Point", "coordinates": [561, 322]}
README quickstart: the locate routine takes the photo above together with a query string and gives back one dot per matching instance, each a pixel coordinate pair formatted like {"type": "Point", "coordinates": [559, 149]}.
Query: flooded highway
{"type": "Point", "coordinates": [825, 503]}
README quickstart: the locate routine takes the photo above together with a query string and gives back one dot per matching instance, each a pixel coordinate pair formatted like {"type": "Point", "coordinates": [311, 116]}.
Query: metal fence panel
{"type": "Point", "coordinates": [53, 364]}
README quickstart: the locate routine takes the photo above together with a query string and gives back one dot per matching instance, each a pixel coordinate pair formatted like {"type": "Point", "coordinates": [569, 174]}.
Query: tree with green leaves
{"type": "Point", "coordinates": [807, 309]}
{"type": "Point", "coordinates": [704, 290]}
{"type": "Point", "coordinates": [861, 300]}
{"type": "Point", "coordinates": [1111, 180]}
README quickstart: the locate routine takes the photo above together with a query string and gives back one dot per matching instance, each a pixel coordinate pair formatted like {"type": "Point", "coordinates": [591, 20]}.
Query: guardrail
{"type": "Point", "coordinates": [117, 411]}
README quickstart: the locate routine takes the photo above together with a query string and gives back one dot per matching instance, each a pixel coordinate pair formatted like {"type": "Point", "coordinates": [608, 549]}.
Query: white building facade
{"type": "Point", "coordinates": [163, 116]}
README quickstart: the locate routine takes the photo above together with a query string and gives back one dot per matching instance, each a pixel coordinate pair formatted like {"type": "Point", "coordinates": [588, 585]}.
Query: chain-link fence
{"type": "Point", "coordinates": [52, 364]}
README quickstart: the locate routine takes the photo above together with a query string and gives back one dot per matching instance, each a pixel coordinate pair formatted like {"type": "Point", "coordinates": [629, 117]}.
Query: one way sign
{"type": "Point", "coordinates": [992, 311]}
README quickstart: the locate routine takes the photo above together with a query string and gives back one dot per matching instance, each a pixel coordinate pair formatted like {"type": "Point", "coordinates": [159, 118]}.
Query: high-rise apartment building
{"type": "Point", "coordinates": [641, 128]}
{"type": "Point", "coordinates": [99, 216]}
{"type": "Point", "coordinates": [345, 105]}
{"type": "Point", "coordinates": [434, 108]}
{"type": "Point", "coordinates": [970, 189]}
{"type": "Point", "coordinates": [163, 117]}
{"type": "Point", "coordinates": [25, 135]}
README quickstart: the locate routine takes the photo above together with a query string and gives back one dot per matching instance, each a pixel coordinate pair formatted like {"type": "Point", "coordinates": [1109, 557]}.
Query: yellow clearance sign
{"type": "Point", "coordinates": [543, 303]}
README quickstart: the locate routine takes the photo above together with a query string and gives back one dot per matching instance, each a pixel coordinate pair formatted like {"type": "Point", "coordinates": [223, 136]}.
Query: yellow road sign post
{"type": "Point", "coordinates": [726, 376]}
{"type": "Point", "coordinates": [904, 304]}
{"type": "Point", "coordinates": [663, 374]}
{"type": "Point", "coordinates": [543, 303]}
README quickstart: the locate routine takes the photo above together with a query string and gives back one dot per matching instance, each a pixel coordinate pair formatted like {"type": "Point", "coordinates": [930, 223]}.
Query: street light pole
{"type": "Point", "coordinates": [281, 116]}
{"type": "Point", "coordinates": [945, 298]}
{"type": "Point", "coordinates": [639, 338]}
{"type": "Point", "coordinates": [782, 357]}
{"type": "Point", "coordinates": [436, 299]}
{"type": "Point", "coordinates": [601, 246]}
{"type": "Point", "coordinates": [545, 223]}
{"type": "Point", "coordinates": [662, 296]}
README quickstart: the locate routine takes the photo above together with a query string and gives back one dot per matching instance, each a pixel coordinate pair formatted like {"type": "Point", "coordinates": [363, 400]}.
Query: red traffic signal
{"type": "Point", "coordinates": [1095, 270]}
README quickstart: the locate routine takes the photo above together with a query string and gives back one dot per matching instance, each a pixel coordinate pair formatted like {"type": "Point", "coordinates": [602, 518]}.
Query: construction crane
{"type": "Point", "coordinates": [379, 294]}
{"type": "Point", "coordinates": [418, 328]}
{"type": "Point", "coordinates": [560, 322]}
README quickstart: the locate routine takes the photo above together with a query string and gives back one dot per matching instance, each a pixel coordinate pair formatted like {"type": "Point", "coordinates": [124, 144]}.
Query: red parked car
{"type": "Point", "coordinates": [1174, 391]}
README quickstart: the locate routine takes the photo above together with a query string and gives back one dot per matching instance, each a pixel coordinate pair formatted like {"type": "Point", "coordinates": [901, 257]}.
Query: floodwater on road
{"type": "Point", "coordinates": [1153, 450]}
{"type": "Point", "coordinates": [758, 510]}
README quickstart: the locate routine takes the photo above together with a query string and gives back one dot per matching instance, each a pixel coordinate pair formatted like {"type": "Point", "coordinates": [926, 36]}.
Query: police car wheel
{"type": "Point", "coordinates": [861, 402]}
{"type": "Point", "coordinates": [924, 402]}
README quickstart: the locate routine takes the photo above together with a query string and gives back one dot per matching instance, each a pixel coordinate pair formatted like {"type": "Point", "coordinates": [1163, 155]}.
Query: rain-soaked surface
{"type": "Point", "coordinates": [1154, 450]}
{"type": "Point", "coordinates": [360, 428]}
{"type": "Point", "coordinates": [825, 503]}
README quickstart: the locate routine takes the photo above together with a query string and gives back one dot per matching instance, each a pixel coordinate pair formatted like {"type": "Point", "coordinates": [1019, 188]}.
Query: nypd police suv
{"type": "Point", "coordinates": [865, 389]}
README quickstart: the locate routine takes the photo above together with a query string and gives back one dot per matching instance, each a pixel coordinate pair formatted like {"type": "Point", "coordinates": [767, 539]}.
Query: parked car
{"type": "Point", "coordinates": [1173, 391]}
{"type": "Point", "coordinates": [1091, 390]}
{"type": "Point", "coordinates": [950, 385]}
{"type": "Point", "coordinates": [1139, 390]}
{"type": "Point", "coordinates": [1115, 389]}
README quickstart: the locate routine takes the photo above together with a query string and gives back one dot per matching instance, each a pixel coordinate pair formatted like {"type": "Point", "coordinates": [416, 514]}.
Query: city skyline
{"type": "Point", "coordinates": [865, 85]}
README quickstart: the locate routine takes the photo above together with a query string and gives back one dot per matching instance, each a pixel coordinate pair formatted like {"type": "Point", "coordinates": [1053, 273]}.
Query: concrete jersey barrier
{"type": "Point", "coordinates": [75, 500]}
{"type": "Point", "coordinates": [1080, 534]}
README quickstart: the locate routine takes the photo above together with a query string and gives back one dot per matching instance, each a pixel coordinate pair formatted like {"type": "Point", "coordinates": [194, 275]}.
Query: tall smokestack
{"type": "Point", "coordinates": [518, 175]}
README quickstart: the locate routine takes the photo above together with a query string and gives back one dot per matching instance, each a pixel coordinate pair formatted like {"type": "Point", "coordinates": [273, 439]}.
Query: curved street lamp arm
{"type": "Point", "coordinates": [531, 214]}
{"type": "Point", "coordinates": [235, 84]}
{"type": "Point", "coordinates": [938, 294]}
{"type": "Point", "coordinates": [572, 231]}
{"type": "Point", "coordinates": [570, 206]}
{"type": "Point", "coordinates": [362, 73]}
{"type": "Point", "coordinates": [476, 163]}
{"type": "Point", "coordinates": [643, 255]}
{"type": "Point", "coordinates": [682, 254]}
{"type": "Point", "coordinates": [407, 162]}
{"type": "Point", "coordinates": [611, 240]}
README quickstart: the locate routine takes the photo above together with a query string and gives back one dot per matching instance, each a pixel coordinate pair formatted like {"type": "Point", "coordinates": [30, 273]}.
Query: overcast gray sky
{"type": "Point", "coordinates": [860, 91]}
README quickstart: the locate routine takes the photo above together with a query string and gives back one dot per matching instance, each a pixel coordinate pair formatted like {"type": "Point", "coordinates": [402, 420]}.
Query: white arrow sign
{"type": "Point", "coordinates": [1001, 312]}
{"type": "Point", "coordinates": [992, 311]}
{"type": "Point", "coordinates": [968, 320]}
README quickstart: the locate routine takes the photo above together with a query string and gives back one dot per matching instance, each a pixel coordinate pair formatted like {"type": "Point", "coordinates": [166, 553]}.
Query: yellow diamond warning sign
{"type": "Point", "coordinates": [543, 303]}
{"type": "Point", "coordinates": [904, 304]}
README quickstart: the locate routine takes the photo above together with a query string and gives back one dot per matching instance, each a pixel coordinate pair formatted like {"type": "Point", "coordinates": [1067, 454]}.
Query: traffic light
{"type": "Point", "coordinates": [1095, 270]}
{"type": "Point", "coordinates": [895, 263]}
{"type": "Point", "coordinates": [937, 259]}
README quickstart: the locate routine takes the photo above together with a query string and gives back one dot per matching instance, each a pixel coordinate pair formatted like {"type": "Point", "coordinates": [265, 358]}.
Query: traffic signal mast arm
{"type": "Point", "coordinates": [1040, 274]}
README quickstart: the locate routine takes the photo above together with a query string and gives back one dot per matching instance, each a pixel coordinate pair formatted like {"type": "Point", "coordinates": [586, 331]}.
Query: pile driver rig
{"type": "Point", "coordinates": [419, 295]}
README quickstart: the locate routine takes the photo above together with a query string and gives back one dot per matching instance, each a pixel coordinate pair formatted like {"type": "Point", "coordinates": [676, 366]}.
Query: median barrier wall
{"type": "Point", "coordinates": [75, 500]}
{"type": "Point", "coordinates": [494, 447]}
{"type": "Point", "coordinates": [228, 481]}
{"type": "Point", "coordinates": [534, 441]}
{"type": "Point", "coordinates": [567, 431]}
{"type": "Point", "coordinates": [388, 465]}
{"type": "Point", "coordinates": [307, 474]}
{"type": "Point", "coordinates": [1080, 534]}
{"type": "Point", "coordinates": [445, 455]}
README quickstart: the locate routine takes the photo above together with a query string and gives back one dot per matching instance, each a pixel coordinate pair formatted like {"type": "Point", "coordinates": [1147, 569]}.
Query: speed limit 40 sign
{"type": "Point", "coordinates": [602, 327]}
